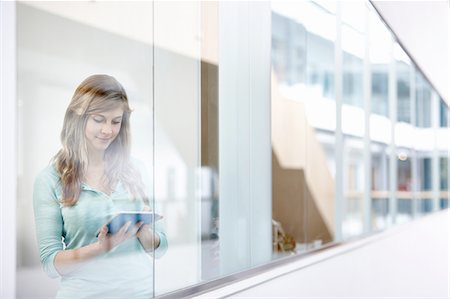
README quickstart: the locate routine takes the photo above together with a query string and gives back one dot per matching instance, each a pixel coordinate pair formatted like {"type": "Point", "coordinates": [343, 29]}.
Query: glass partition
{"type": "Point", "coordinates": [380, 42]}
{"type": "Point", "coordinates": [405, 149]}
{"type": "Point", "coordinates": [259, 131]}
{"type": "Point", "coordinates": [60, 44]}
{"type": "Point", "coordinates": [443, 152]}
{"type": "Point", "coordinates": [353, 32]}
{"type": "Point", "coordinates": [380, 185]}
{"type": "Point", "coordinates": [444, 179]}
{"type": "Point", "coordinates": [177, 115]}
{"type": "Point", "coordinates": [303, 110]}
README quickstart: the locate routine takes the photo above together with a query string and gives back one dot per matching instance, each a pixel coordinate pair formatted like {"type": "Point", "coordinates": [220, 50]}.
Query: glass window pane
{"type": "Point", "coordinates": [380, 57]}
{"type": "Point", "coordinates": [443, 113]}
{"type": "Point", "coordinates": [405, 204]}
{"type": "Point", "coordinates": [403, 72]}
{"type": "Point", "coordinates": [423, 102]}
{"type": "Point", "coordinates": [444, 181]}
{"type": "Point", "coordinates": [59, 44]}
{"type": "Point", "coordinates": [380, 186]}
{"type": "Point", "coordinates": [303, 109]}
{"type": "Point", "coordinates": [353, 118]}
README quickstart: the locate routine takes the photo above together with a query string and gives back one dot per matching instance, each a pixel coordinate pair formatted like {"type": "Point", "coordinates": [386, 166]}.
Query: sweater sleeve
{"type": "Point", "coordinates": [163, 244]}
{"type": "Point", "coordinates": [48, 220]}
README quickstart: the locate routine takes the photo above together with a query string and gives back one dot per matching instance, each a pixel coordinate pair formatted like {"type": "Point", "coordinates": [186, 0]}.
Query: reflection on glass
{"type": "Point", "coordinates": [59, 44]}
{"type": "Point", "coordinates": [380, 89]}
{"type": "Point", "coordinates": [380, 40]}
{"type": "Point", "coordinates": [380, 186]}
{"type": "Point", "coordinates": [353, 124]}
{"type": "Point", "coordinates": [288, 50]}
{"type": "Point", "coordinates": [403, 70]}
{"type": "Point", "coordinates": [423, 102]}
{"type": "Point", "coordinates": [353, 187]}
{"type": "Point", "coordinates": [303, 151]}
{"type": "Point", "coordinates": [405, 209]}
{"type": "Point", "coordinates": [380, 125]}
{"type": "Point", "coordinates": [353, 45]}
{"type": "Point", "coordinates": [352, 80]}
{"type": "Point", "coordinates": [443, 113]}
{"type": "Point", "coordinates": [424, 204]}
{"type": "Point", "coordinates": [444, 182]}
{"type": "Point", "coordinates": [319, 101]}
{"type": "Point", "coordinates": [289, 79]}
{"type": "Point", "coordinates": [176, 130]}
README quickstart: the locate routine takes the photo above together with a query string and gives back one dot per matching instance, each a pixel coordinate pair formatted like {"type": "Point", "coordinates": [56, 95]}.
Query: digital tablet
{"type": "Point", "coordinates": [121, 218]}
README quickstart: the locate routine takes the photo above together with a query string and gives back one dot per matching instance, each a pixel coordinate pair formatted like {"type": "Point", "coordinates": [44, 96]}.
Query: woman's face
{"type": "Point", "coordinates": [102, 128]}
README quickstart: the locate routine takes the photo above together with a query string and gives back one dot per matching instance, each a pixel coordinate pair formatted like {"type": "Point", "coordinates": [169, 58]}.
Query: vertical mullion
{"type": "Point", "coordinates": [392, 96]}
{"type": "Point", "coordinates": [435, 120]}
{"type": "Point", "coordinates": [340, 205]}
{"type": "Point", "coordinates": [414, 165]}
{"type": "Point", "coordinates": [367, 206]}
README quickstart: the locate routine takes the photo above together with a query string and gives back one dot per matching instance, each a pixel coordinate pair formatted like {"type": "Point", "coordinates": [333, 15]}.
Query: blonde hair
{"type": "Point", "coordinates": [97, 93]}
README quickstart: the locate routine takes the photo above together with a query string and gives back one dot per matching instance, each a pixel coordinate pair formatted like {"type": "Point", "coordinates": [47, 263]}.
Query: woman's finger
{"type": "Point", "coordinates": [146, 209]}
{"type": "Point", "coordinates": [132, 232]}
{"type": "Point", "coordinates": [103, 232]}
{"type": "Point", "coordinates": [124, 228]}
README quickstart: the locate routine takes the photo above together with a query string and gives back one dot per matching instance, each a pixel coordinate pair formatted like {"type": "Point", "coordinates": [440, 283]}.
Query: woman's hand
{"type": "Point", "coordinates": [148, 238]}
{"type": "Point", "coordinates": [107, 241]}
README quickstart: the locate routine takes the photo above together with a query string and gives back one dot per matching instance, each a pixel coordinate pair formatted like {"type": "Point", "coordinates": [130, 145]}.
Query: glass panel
{"type": "Point", "coordinates": [443, 167]}
{"type": "Point", "coordinates": [405, 154]}
{"type": "Point", "coordinates": [405, 209]}
{"type": "Point", "coordinates": [423, 102]}
{"type": "Point", "coordinates": [380, 186]}
{"type": "Point", "coordinates": [380, 40]}
{"type": "Point", "coordinates": [288, 154]}
{"type": "Point", "coordinates": [353, 187]}
{"type": "Point", "coordinates": [443, 113]}
{"type": "Point", "coordinates": [353, 119]}
{"type": "Point", "coordinates": [205, 222]}
{"type": "Point", "coordinates": [171, 76]}
{"type": "Point", "coordinates": [380, 125]}
{"type": "Point", "coordinates": [352, 33]}
{"type": "Point", "coordinates": [303, 104]}
{"type": "Point", "coordinates": [320, 123]}
{"type": "Point", "coordinates": [424, 204]}
{"type": "Point", "coordinates": [186, 142]}
{"type": "Point", "coordinates": [444, 181]}
{"type": "Point", "coordinates": [59, 44]}
{"type": "Point", "coordinates": [403, 71]}
{"type": "Point", "coordinates": [425, 178]}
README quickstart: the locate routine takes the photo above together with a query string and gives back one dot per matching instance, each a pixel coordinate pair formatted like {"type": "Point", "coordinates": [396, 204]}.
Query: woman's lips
{"type": "Point", "coordinates": [104, 139]}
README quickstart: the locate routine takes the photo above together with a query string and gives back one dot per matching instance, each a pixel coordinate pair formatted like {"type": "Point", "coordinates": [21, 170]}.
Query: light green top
{"type": "Point", "coordinates": [124, 272]}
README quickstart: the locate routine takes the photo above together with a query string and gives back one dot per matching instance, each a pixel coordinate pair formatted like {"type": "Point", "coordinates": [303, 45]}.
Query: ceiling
{"type": "Point", "coordinates": [422, 27]}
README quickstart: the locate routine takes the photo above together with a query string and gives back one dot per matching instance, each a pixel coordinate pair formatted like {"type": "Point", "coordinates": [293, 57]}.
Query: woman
{"type": "Point", "coordinates": [91, 178]}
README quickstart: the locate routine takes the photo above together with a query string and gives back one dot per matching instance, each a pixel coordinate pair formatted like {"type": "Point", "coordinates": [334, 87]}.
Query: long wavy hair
{"type": "Point", "coordinates": [97, 93]}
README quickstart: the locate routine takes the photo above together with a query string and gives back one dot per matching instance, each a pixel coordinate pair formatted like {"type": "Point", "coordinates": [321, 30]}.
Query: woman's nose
{"type": "Point", "coordinates": [106, 129]}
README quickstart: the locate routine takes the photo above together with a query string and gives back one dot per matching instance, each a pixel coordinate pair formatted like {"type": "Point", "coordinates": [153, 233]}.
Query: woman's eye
{"type": "Point", "coordinates": [98, 120]}
{"type": "Point", "coordinates": [116, 122]}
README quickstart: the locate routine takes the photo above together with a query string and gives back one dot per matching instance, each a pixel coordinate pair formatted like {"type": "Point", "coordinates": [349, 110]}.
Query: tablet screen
{"type": "Point", "coordinates": [121, 218]}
